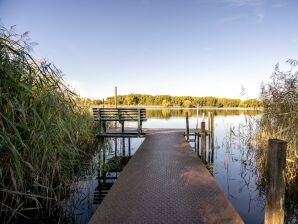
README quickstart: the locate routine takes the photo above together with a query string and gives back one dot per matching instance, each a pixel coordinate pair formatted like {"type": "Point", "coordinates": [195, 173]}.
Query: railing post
{"type": "Point", "coordinates": [275, 168]}
{"type": "Point", "coordinates": [187, 127]}
{"type": "Point", "coordinates": [203, 142]}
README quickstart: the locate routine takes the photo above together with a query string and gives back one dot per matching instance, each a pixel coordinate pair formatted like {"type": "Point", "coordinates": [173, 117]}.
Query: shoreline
{"type": "Point", "coordinates": [177, 107]}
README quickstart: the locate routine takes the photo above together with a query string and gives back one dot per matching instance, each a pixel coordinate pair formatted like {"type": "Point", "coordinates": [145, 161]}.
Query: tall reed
{"type": "Point", "coordinates": [280, 120]}
{"type": "Point", "coordinates": [280, 115]}
{"type": "Point", "coordinates": [44, 135]}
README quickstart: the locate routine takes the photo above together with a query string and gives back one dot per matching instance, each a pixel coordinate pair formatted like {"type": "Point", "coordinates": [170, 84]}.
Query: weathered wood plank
{"type": "Point", "coordinates": [276, 184]}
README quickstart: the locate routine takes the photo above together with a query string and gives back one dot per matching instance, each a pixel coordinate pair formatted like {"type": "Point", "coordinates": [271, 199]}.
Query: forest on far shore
{"type": "Point", "coordinates": [172, 101]}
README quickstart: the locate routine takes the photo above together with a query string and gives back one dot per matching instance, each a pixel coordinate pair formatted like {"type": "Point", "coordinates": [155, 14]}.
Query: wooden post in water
{"type": "Point", "coordinates": [212, 136]}
{"type": "Point", "coordinates": [187, 127]}
{"type": "Point", "coordinates": [203, 142]}
{"type": "Point", "coordinates": [209, 137]}
{"type": "Point", "coordinates": [198, 143]}
{"type": "Point", "coordinates": [275, 168]}
{"type": "Point", "coordinates": [209, 121]}
{"type": "Point", "coordinates": [197, 124]}
{"type": "Point", "coordinates": [195, 141]}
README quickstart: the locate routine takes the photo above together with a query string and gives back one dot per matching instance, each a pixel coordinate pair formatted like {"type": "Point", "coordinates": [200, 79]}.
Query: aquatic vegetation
{"type": "Point", "coordinates": [44, 136]}
{"type": "Point", "coordinates": [280, 120]}
{"type": "Point", "coordinates": [280, 115]}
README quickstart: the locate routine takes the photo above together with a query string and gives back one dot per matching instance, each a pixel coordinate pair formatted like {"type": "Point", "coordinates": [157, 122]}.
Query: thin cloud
{"type": "Point", "coordinates": [244, 2]}
{"type": "Point", "coordinates": [278, 5]}
{"type": "Point", "coordinates": [232, 19]}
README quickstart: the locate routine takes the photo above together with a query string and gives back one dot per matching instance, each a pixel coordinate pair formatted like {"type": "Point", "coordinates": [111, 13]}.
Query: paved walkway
{"type": "Point", "coordinates": [165, 182]}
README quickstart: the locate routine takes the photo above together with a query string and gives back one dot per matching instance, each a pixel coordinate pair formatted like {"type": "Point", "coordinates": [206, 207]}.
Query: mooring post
{"type": "Point", "coordinates": [209, 122]}
{"type": "Point", "coordinates": [198, 143]}
{"type": "Point", "coordinates": [275, 192]}
{"type": "Point", "coordinates": [209, 137]}
{"type": "Point", "coordinates": [203, 142]}
{"type": "Point", "coordinates": [187, 127]}
{"type": "Point", "coordinates": [212, 137]}
{"type": "Point", "coordinates": [195, 141]}
{"type": "Point", "coordinates": [197, 124]}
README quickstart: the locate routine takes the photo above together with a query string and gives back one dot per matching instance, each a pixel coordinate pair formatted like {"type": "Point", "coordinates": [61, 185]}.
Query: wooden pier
{"type": "Point", "coordinates": [165, 182]}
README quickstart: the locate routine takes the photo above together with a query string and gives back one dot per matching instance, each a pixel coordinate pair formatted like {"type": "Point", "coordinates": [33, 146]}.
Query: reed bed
{"type": "Point", "coordinates": [44, 136]}
{"type": "Point", "coordinates": [280, 115]}
{"type": "Point", "coordinates": [280, 120]}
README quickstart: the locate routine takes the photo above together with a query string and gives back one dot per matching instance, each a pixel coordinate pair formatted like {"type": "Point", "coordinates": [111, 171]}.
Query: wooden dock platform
{"type": "Point", "coordinates": [165, 182]}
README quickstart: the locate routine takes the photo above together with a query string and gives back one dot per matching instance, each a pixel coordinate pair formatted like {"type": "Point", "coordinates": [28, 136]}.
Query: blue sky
{"type": "Point", "coordinates": [176, 47]}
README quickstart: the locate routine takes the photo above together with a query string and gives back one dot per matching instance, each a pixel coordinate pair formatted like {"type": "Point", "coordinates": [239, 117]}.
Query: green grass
{"type": "Point", "coordinates": [44, 136]}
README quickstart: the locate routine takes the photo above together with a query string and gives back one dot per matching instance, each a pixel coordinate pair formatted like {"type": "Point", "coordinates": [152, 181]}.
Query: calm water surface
{"type": "Point", "coordinates": [234, 166]}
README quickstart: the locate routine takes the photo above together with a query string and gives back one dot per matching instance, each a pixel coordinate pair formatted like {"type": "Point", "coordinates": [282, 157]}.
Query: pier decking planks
{"type": "Point", "coordinates": [165, 182]}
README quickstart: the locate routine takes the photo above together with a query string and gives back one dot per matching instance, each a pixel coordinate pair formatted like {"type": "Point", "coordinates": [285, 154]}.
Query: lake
{"type": "Point", "coordinates": [234, 167]}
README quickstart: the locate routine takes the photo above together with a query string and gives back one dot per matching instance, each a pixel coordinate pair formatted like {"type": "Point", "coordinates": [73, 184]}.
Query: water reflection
{"type": "Point", "coordinates": [192, 112]}
{"type": "Point", "coordinates": [231, 161]}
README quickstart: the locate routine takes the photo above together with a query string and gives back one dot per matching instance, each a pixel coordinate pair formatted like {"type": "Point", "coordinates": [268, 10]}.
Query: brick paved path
{"type": "Point", "coordinates": [165, 182]}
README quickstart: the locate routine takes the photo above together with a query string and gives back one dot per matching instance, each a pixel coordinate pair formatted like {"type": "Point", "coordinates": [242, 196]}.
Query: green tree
{"type": "Point", "coordinates": [187, 103]}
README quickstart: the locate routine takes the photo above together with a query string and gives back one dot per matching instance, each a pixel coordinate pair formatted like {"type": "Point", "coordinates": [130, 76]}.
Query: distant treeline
{"type": "Point", "coordinates": [176, 101]}
{"type": "Point", "coordinates": [166, 113]}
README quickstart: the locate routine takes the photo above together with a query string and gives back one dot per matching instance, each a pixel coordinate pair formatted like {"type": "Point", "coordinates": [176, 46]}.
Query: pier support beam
{"type": "Point", "coordinates": [187, 127]}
